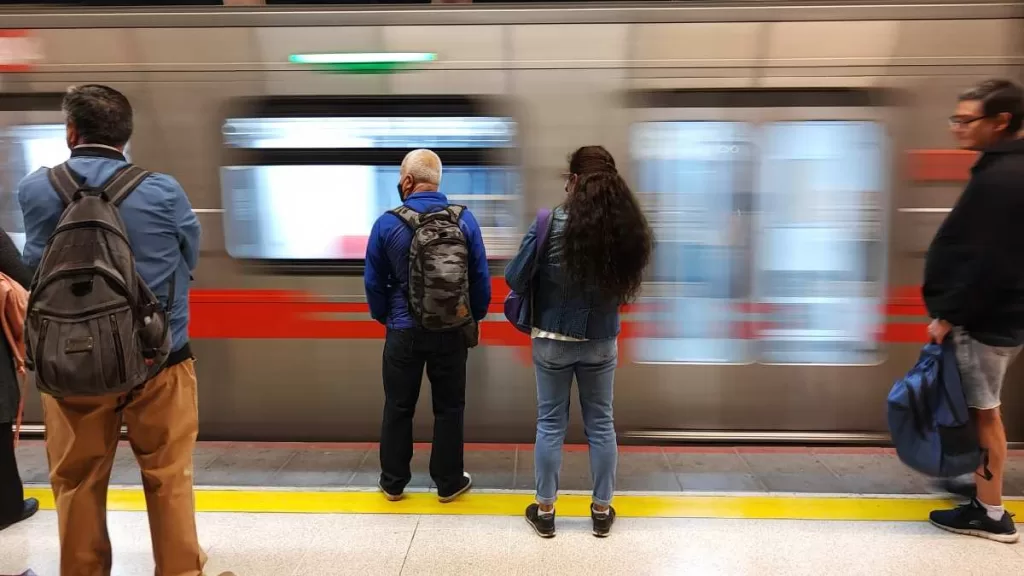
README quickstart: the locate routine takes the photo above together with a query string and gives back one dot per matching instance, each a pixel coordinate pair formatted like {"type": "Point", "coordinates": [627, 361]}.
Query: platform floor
{"type": "Point", "coordinates": [281, 509]}
{"type": "Point", "coordinates": [301, 544]}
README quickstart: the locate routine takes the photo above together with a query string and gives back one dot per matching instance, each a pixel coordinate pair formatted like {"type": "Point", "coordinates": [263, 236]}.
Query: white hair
{"type": "Point", "coordinates": [423, 165]}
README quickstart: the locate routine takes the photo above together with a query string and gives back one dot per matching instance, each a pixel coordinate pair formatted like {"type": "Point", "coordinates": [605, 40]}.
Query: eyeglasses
{"type": "Point", "coordinates": [960, 122]}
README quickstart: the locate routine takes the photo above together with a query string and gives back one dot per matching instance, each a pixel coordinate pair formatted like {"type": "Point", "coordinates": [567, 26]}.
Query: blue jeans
{"type": "Point", "coordinates": [593, 365]}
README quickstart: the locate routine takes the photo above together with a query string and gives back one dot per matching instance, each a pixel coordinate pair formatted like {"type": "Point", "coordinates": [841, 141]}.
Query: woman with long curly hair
{"type": "Point", "coordinates": [599, 244]}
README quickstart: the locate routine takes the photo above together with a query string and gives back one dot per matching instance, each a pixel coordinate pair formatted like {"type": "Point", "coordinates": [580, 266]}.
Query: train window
{"type": "Point", "coordinates": [694, 179]}
{"type": "Point", "coordinates": [308, 184]}
{"type": "Point", "coordinates": [821, 266]}
{"type": "Point", "coordinates": [26, 149]}
{"type": "Point", "coordinates": [369, 133]}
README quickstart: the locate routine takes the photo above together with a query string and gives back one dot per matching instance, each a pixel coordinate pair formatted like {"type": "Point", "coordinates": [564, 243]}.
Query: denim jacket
{"type": "Point", "coordinates": [559, 306]}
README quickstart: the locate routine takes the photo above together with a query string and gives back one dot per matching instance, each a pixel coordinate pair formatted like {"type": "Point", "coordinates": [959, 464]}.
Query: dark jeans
{"type": "Point", "coordinates": [405, 354]}
{"type": "Point", "coordinates": [12, 496]}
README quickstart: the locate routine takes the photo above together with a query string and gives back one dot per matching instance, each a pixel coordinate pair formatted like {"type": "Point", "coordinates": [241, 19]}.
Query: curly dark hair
{"type": "Point", "coordinates": [608, 242]}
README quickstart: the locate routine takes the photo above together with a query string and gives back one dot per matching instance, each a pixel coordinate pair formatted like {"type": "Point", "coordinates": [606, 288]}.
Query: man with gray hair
{"type": "Point", "coordinates": [427, 281]}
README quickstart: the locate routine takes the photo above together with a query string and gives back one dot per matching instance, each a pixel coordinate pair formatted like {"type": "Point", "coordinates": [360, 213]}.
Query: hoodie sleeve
{"type": "Point", "coordinates": [964, 255]}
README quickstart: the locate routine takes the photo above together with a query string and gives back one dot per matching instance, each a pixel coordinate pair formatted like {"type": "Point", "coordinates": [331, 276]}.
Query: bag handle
{"type": "Point", "coordinates": [22, 392]}
{"type": "Point", "coordinates": [544, 221]}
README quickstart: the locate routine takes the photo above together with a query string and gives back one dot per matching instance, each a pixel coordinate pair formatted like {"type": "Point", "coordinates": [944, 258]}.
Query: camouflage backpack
{"type": "Point", "coordinates": [438, 268]}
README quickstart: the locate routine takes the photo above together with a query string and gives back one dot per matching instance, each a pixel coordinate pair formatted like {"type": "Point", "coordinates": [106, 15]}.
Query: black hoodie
{"type": "Point", "coordinates": [974, 270]}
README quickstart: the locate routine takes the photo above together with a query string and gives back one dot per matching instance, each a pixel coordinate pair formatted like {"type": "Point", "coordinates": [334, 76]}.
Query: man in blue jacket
{"type": "Point", "coordinates": [410, 345]}
{"type": "Point", "coordinates": [161, 416]}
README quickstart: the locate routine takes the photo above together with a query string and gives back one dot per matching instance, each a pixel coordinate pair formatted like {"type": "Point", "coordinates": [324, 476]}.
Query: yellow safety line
{"type": "Point", "coordinates": [794, 507]}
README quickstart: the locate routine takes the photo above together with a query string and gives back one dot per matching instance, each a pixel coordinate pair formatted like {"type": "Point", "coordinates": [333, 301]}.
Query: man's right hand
{"type": "Point", "coordinates": [938, 329]}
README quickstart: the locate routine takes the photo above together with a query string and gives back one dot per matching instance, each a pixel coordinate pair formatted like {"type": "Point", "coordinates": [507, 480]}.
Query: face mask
{"type": "Point", "coordinates": [400, 192]}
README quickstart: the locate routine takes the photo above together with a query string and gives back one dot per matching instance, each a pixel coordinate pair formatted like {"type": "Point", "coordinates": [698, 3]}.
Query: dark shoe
{"type": "Point", "coordinates": [543, 525]}
{"type": "Point", "coordinates": [464, 486]}
{"type": "Point", "coordinates": [602, 522]}
{"type": "Point", "coordinates": [391, 497]}
{"type": "Point", "coordinates": [28, 510]}
{"type": "Point", "coordinates": [972, 519]}
{"type": "Point", "coordinates": [965, 489]}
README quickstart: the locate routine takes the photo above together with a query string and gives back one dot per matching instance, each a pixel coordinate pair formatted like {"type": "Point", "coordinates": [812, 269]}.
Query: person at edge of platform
{"type": "Point", "coordinates": [410, 343]}
{"type": "Point", "coordinates": [974, 290]}
{"type": "Point", "coordinates": [161, 416]}
{"type": "Point", "coordinates": [14, 507]}
{"type": "Point", "coordinates": [598, 247]}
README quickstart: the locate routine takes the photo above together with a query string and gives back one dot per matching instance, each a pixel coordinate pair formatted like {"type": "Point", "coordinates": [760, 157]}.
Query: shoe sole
{"type": "Point", "coordinates": [389, 496]}
{"type": "Point", "coordinates": [600, 534]}
{"type": "Point", "coordinates": [1003, 538]}
{"type": "Point", "coordinates": [22, 519]}
{"type": "Point", "coordinates": [537, 530]}
{"type": "Point", "coordinates": [453, 497]}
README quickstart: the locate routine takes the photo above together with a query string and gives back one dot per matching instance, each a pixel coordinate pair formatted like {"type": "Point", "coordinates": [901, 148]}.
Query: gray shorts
{"type": "Point", "coordinates": [982, 369]}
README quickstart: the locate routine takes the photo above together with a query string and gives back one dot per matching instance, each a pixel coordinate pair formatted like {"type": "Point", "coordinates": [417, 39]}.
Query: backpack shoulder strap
{"type": "Point", "coordinates": [544, 223]}
{"type": "Point", "coordinates": [65, 181]}
{"type": "Point", "coordinates": [545, 218]}
{"type": "Point", "coordinates": [123, 182]}
{"type": "Point", "coordinates": [408, 216]}
{"type": "Point", "coordinates": [456, 211]}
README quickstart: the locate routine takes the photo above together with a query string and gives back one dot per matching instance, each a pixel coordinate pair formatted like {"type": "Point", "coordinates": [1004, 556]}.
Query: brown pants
{"type": "Point", "coordinates": [81, 436]}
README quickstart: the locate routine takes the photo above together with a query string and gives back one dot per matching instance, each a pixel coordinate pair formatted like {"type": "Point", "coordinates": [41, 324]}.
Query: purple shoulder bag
{"type": "Point", "coordinates": [519, 307]}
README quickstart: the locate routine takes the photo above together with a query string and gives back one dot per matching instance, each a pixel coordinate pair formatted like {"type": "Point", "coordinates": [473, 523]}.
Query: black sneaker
{"type": "Point", "coordinates": [543, 525]}
{"type": "Point", "coordinates": [28, 509]}
{"type": "Point", "coordinates": [464, 486]}
{"type": "Point", "coordinates": [391, 497]}
{"type": "Point", "coordinates": [964, 488]}
{"type": "Point", "coordinates": [602, 522]}
{"type": "Point", "coordinates": [972, 519]}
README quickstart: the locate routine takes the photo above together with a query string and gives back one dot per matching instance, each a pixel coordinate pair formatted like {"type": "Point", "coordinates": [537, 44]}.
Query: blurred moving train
{"type": "Point", "coordinates": [794, 159]}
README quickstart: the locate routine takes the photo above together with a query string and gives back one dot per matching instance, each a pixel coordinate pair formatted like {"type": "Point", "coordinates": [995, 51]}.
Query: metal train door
{"type": "Point", "coordinates": [768, 283]}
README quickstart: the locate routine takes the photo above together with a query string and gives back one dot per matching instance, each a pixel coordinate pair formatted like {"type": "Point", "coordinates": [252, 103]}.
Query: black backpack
{"type": "Point", "coordinates": [93, 326]}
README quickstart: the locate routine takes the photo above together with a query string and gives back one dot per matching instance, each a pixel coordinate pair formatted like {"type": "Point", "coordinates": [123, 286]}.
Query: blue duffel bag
{"type": "Point", "coordinates": [928, 417]}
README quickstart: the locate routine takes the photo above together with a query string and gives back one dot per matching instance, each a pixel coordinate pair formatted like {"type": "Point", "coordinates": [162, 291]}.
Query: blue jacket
{"type": "Point", "coordinates": [162, 229]}
{"type": "Point", "coordinates": [559, 306]}
{"type": "Point", "coordinates": [386, 276]}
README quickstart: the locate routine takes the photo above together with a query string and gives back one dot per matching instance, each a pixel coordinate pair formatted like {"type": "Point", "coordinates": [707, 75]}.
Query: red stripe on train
{"type": "Point", "coordinates": [266, 314]}
{"type": "Point", "coordinates": [940, 165]}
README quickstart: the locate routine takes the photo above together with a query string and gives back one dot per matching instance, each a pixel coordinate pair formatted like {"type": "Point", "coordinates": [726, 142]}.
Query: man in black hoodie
{"type": "Point", "coordinates": [974, 289]}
